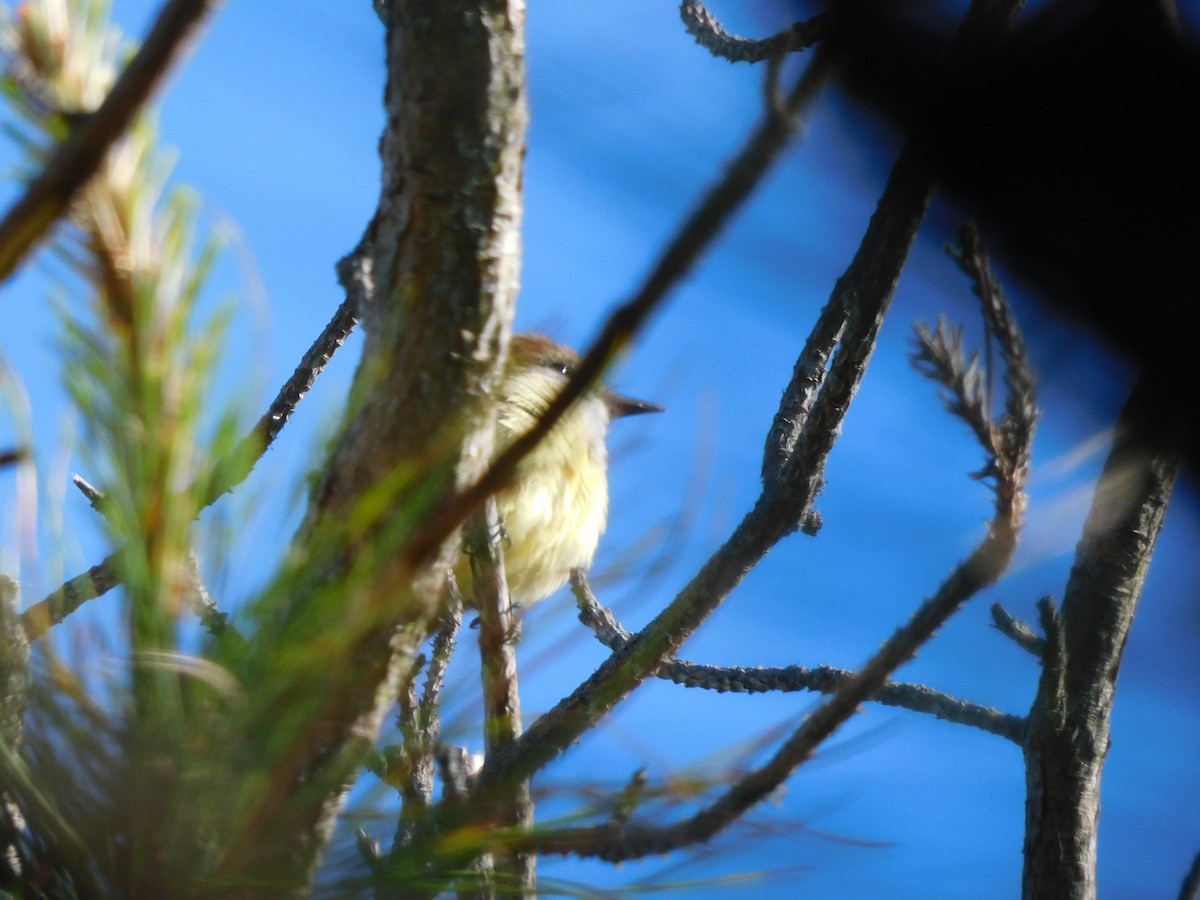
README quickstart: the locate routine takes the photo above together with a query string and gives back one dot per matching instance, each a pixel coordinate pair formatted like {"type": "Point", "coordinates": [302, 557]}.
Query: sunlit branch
{"type": "Point", "coordinates": [354, 275]}
{"type": "Point", "coordinates": [79, 157]}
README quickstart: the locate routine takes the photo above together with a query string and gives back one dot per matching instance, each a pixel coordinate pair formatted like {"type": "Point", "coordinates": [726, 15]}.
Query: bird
{"type": "Point", "coordinates": [556, 509]}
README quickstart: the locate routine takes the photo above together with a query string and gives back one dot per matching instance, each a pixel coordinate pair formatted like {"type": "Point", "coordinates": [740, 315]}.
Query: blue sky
{"type": "Point", "coordinates": [276, 119]}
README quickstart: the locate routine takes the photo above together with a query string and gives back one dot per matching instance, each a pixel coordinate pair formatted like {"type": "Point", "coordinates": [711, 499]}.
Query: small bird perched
{"type": "Point", "coordinates": [556, 509]}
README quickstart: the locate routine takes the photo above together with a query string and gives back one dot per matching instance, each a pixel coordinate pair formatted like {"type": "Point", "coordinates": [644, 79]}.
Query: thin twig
{"type": "Point", "coordinates": [93, 494]}
{"type": "Point", "coordinates": [498, 629]}
{"type": "Point", "coordinates": [48, 612]}
{"type": "Point", "coordinates": [1018, 631]}
{"type": "Point", "coordinates": [104, 576]}
{"type": "Point", "coordinates": [940, 356]}
{"type": "Point", "coordinates": [212, 617]}
{"type": "Point", "coordinates": [630, 797]}
{"type": "Point", "coordinates": [420, 722]}
{"type": "Point", "coordinates": [709, 34]}
{"type": "Point", "coordinates": [51, 193]}
{"type": "Point", "coordinates": [409, 766]}
{"type": "Point", "coordinates": [498, 632]}
{"type": "Point", "coordinates": [443, 648]}
{"type": "Point", "coordinates": [789, 679]}
{"type": "Point", "coordinates": [971, 257]}
{"type": "Point", "coordinates": [354, 275]}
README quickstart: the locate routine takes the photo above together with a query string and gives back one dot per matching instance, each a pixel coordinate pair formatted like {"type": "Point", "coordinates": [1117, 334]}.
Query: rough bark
{"type": "Point", "coordinates": [447, 254]}
{"type": "Point", "coordinates": [1068, 736]}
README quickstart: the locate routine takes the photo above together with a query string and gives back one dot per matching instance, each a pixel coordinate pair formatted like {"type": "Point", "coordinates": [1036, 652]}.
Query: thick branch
{"type": "Point", "coordinates": [445, 271]}
{"type": "Point", "coordinates": [1069, 724]}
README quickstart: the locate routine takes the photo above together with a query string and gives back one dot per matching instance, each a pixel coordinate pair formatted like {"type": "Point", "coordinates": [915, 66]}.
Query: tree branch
{"type": "Point", "coordinates": [354, 275]}
{"type": "Point", "coordinates": [79, 157]}
{"type": "Point", "coordinates": [1069, 724]}
{"type": "Point", "coordinates": [445, 269]}
{"type": "Point", "coordinates": [499, 629]}
{"type": "Point", "coordinates": [420, 725]}
{"type": "Point", "coordinates": [789, 679]}
{"type": "Point", "coordinates": [796, 450]}
{"type": "Point", "coordinates": [709, 34]}
{"type": "Point", "coordinates": [105, 575]}
{"type": "Point", "coordinates": [1017, 631]}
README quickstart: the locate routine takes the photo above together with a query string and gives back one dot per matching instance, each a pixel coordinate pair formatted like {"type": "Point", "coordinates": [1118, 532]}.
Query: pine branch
{"type": "Point", "coordinates": [50, 195]}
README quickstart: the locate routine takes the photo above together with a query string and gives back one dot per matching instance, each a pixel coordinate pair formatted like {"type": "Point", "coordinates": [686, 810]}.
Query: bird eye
{"type": "Point", "coordinates": [560, 365]}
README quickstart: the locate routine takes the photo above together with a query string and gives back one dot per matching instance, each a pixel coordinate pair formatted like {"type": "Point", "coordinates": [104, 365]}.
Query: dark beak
{"type": "Point", "coordinates": [619, 406]}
